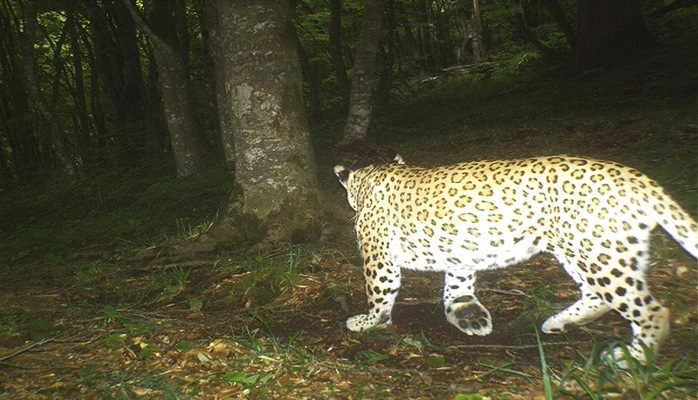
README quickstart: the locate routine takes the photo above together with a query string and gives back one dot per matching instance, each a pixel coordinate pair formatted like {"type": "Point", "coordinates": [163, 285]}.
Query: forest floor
{"type": "Point", "coordinates": [105, 322]}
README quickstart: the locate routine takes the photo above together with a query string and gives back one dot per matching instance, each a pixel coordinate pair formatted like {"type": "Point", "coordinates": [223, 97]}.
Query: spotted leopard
{"type": "Point", "coordinates": [594, 217]}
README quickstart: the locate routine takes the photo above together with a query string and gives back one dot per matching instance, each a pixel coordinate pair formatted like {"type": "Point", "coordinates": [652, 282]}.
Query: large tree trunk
{"type": "Point", "coordinates": [611, 33]}
{"type": "Point", "coordinates": [360, 106]}
{"type": "Point", "coordinates": [188, 146]}
{"type": "Point", "coordinates": [277, 190]}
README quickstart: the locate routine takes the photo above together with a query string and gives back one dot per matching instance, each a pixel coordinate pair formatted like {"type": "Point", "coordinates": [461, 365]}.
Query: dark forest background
{"type": "Point", "coordinates": [82, 94]}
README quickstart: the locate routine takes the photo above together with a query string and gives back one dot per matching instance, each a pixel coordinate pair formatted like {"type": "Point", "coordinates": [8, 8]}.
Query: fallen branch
{"type": "Point", "coordinates": [509, 346]}
{"type": "Point", "coordinates": [26, 348]}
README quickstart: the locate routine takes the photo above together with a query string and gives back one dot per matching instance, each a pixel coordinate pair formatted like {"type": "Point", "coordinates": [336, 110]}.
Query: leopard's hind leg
{"type": "Point", "coordinates": [615, 279]}
{"type": "Point", "coordinates": [589, 307]}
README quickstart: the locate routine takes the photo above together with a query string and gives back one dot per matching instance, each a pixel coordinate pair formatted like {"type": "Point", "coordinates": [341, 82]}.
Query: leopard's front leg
{"type": "Point", "coordinates": [463, 309]}
{"type": "Point", "coordinates": [382, 285]}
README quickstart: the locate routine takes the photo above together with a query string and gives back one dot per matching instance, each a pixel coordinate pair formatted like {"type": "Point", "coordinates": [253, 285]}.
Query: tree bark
{"type": "Point", "coordinates": [612, 33]}
{"type": "Point", "coordinates": [479, 49]}
{"type": "Point", "coordinates": [57, 138]}
{"type": "Point", "coordinates": [277, 190]}
{"type": "Point", "coordinates": [216, 42]}
{"type": "Point", "coordinates": [188, 146]}
{"type": "Point", "coordinates": [360, 106]}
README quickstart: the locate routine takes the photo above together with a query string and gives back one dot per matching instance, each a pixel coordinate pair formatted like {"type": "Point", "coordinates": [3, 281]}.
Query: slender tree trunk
{"type": "Point", "coordinates": [335, 46]}
{"type": "Point", "coordinates": [277, 196]}
{"type": "Point", "coordinates": [58, 141]}
{"type": "Point", "coordinates": [313, 82]}
{"type": "Point", "coordinates": [82, 125]}
{"type": "Point", "coordinates": [216, 42]}
{"type": "Point", "coordinates": [388, 54]}
{"type": "Point", "coordinates": [479, 49]}
{"type": "Point", "coordinates": [188, 146]}
{"type": "Point", "coordinates": [612, 33]}
{"type": "Point", "coordinates": [423, 37]}
{"type": "Point", "coordinates": [360, 106]}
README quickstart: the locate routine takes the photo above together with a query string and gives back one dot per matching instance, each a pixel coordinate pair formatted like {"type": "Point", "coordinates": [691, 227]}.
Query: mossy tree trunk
{"type": "Point", "coordinates": [277, 194]}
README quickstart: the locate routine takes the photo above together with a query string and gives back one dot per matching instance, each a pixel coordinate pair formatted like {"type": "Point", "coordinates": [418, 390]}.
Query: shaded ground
{"type": "Point", "coordinates": [111, 324]}
{"type": "Point", "coordinates": [120, 334]}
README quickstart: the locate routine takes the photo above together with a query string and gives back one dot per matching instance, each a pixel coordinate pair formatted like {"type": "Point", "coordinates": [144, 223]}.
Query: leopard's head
{"type": "Point", "coordinates": [347, 179]}
{"type": "Point", "coordinates": [346, 176]}
{"type": "Point", "coordinates": [359, 153]}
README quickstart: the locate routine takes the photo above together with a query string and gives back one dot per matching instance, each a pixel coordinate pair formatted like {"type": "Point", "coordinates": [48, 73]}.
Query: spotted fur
{"type": "Point", "coordinates": [594, 216]}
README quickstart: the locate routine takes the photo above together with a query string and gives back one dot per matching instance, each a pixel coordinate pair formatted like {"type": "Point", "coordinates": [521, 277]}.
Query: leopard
{"type": "Point", "coordinates": [594, 217]}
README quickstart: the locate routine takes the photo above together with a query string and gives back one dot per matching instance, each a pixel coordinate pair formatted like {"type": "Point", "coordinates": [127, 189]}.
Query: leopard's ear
{"type": "Point", "coordinates": [398, 159]}
{"type": "Point", "coordinates": [342, 173]}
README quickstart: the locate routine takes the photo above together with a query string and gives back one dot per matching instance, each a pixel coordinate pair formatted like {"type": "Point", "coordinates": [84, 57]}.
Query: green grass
{"type": "Point", "coordinates": [598, 376]}
{"type": "Point", "coordinates": [53, 219]}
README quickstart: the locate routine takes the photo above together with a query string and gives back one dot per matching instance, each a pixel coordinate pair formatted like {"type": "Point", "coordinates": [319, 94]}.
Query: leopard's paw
{"type": "Point", "coordinates": [361, 322]}
{"type": "Point", "coordinates": [467, 314]}
{"type": "Point", "coordinates": [553, 325]}
{"type": "Point", "coordinates": [623, 356]}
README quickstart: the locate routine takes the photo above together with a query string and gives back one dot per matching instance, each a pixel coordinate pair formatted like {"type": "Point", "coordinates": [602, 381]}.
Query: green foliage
{"type": "Point", "coordinates": [249, 382]}
{"type": "Point", "coordinates": [184, 345]}
{"type": "Point", "coordinates": [547, 384]}
{"type": "Point", "coordinates": [600, 374]}
{"type": "Point", "coordinates": [539, 300]}
{"type": "Point", "coordinates": [506, 367]}
{"type": "Point", "coordinates": [38, 325]}
{"type": "Point", "coordinates": [436, 361]}
{"type": "Point", "coordinates": [170, 283]}
{"type": "Point", "coordinates": [195, 304]}
{"type": "Point", "coordinates": [268, 274]}
{"type": "Point", "coordinates": [371, 357]}
{"type": "Point", "coordinates": [115, 340]}
{"type": "Point", "coordinates": [470, 397]}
